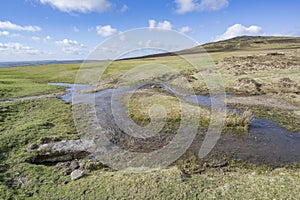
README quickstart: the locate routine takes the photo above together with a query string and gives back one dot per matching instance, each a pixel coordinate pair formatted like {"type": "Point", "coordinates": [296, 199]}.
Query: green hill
{"type": "Point", "coordinates": [249, 43]}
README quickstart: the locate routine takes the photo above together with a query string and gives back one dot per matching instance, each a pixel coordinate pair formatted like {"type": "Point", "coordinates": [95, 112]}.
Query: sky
{"type": "Point", "coordinates": [70, 29]}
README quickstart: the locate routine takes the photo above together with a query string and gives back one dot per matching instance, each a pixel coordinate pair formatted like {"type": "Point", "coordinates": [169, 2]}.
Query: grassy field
{"type": "Point", "coordinates": [30, 81]}
{"type": "Point", "coordinates": [23, 124]}
{"type": "Point", "coordinates": [249, 66]}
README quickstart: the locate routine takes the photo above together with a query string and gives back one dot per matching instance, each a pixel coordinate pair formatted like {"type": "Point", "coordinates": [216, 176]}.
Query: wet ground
{"type": "Point", "coordinates": [267, 142]}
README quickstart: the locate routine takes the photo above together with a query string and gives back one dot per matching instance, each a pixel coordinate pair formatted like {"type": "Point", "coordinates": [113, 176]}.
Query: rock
{"type": "Point", "coordinates": [32, 147]}
{"type": "Point", "coordinates": [76, 174]}
{"type": "Point", "coordinates": [65, 150]}
{"type": "Point", "coordinates": [45, 140]}
{"type": "Point", "coordinates": [74, 165]}
{"type": "Point", "coordinates": [156, 86]}
{"type": "Point", "coordinates": [21, 181]}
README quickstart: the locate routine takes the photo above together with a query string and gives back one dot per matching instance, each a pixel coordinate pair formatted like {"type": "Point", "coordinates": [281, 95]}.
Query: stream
{"type": "Point", "coordinates": [267, 142]}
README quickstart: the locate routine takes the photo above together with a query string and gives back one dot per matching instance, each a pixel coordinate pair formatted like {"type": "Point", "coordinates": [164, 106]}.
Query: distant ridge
{"type": "Point", "coordinates": [249, 43]}
{"type": "Point", "coordinates": [42, 62]}
{"type": "Point", "coordinates": [240, 43]}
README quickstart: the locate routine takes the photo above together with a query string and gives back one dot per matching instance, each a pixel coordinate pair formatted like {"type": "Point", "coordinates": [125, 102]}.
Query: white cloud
{"type": "Point", "coordinates": [4, 33]}
{"type": "Point", "coordinates": [152, 23]}
{"type": "Point", "coordinates": [36, 39]}
{"type": "Point", "coordinates": [85, 6]}
{"type": "Point", "coordinates": [48, 38]}
{"type": "Point", "coordinates": [213, 5]}
{"type": "Point", "coordinates": [185, 29]}
{"type": "Point", "coordinates": [106, 31]}
{"type": "Point", "coordinates": [239, 30]}
{"type": "Point", "coordinates": [17, 48]}
{"type": "Point", "coordinates": [71, 46]}
{"type": "Point", "coordinates": [7, 25]}
{"type": "Point", "coordinates": [124, 8]}
{"type": "Point", "coordinates": [165, 25]}
{"type": "Point", "coordinates": [39, 39]}
{"type": "Point", "coordinates": [67, 42]}
{"type": "Point", "coordinates": [184, 6]}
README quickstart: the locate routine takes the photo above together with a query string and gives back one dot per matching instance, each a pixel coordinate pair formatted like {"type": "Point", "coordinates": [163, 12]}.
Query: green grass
{"type": "Point", "coordinates": [25, 123]}
{"type": "Point", "coordinates": [288, 119]}
{"type": "Point", "coordinates": [30, 81]}
{"type": "Point", "coordinates": [172, 184]}
{"type": "Point", "coordinates": [140, 104]}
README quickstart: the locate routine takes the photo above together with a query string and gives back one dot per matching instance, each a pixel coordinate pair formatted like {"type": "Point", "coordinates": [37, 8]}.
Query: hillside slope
{"type": "Point", "coordinates": [241, 43]}
{"type": "Point", "coordinates": [248, 43]}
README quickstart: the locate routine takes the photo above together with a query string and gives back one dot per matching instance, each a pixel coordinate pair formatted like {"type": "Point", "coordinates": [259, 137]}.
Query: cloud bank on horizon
{"type": "Point", "coordinates": [68, 29]}
{"type": "Point", "coordinates": [240, 30]}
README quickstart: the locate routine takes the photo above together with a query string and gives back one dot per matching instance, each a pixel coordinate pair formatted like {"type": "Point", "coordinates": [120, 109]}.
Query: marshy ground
{"type": "Point", "coordinates": [256, 159]}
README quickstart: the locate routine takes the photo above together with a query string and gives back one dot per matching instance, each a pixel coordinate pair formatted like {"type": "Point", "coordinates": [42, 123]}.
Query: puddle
{"type": "Point", "coordinates": [267, 142]}
{"type": "Point", "coordinates": [84, 93]}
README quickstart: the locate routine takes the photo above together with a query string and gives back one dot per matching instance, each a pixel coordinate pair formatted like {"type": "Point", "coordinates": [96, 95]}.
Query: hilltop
{"type": "Point", "coordinates": [248, 43]}
{"type": "Point", "coordinates": [241, 43]}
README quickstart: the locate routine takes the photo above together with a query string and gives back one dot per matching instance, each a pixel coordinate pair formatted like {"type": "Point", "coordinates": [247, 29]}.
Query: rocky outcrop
{"type": "Point", "coordinates": [60, 151]}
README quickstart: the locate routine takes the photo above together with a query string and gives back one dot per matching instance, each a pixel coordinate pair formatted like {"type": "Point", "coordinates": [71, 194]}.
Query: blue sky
{"type": "Point", "coordinates": [70, 29]}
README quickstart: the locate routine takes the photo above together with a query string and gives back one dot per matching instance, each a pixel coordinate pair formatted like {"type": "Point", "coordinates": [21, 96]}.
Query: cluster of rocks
{"type": "Point", "coordinates": [53, 151]}
{"type": "Point", "coordinates": [67, 154]}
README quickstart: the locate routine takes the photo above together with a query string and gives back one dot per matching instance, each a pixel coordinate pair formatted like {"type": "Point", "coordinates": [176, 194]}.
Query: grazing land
{"type": "Point", "coordinates": [261, 73]}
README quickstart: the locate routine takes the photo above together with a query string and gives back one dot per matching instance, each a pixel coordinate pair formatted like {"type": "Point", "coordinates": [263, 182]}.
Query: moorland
{"type": "Point", "coordinates": [255, 158]}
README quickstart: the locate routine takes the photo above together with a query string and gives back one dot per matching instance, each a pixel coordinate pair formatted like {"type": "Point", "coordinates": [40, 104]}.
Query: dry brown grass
{"type": "Point", "coordinates": [243, 121]}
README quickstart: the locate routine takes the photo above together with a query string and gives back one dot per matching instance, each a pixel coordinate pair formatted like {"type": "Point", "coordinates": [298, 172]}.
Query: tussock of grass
{"type": "Point", "coordinates": [243, 121]}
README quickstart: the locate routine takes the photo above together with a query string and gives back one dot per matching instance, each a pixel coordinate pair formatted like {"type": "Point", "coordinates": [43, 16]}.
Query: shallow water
{"type": "Point", "coordinates": [267, 142]}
